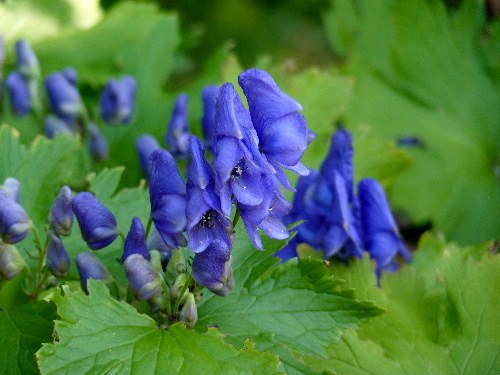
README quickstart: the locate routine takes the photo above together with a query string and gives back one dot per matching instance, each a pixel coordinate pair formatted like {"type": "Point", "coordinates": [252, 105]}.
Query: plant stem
{"type": "Point", "coordinates": [183, 290]}
{"type": "Point", "coordinates": [148, 226]}
{"type": "Point", "coordinates": [237, 215]}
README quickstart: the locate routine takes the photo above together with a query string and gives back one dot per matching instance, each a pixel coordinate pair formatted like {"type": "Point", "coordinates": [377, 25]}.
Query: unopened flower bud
{"type": "Point", "coordinates": [11, 262]}
{"type": "Point", "coordinates": [20, 99]}
{"type": "Point", "coordinates": [97, 224]}
{"type": "Point", "coordinates": [189, 312]}
{"type": "Point", "coordinates": [71, 75]}
{"type": "Point", "coordinates": [12, 186]}
{"type": "Point", "coordinates": [156, 260]}
{"type": "Point", "coordinates": [27, 62]}
{"type": "Point", "coordinates": [212, 268]}
{"type": "Point", "coordinates": [91, 267]}
{"type": "Point", "coordinates": [208, 121]}
{"type": "Point", "coordinates": [55, 126]}
{"type": "Point", "coordinates": [176, 288]}
{"type": "Point", "coordinates": [142, 277]}
{"type": "Point", "coordinates": [14, 221]}
{"type": "Point", "coordinates": [58, 260]}
{"type": "Point", "coordinates": [98, 145]}
{"type": "Point", "coordinates": [178, 128]}
{"type": "Point", "coordinates": [135, 243]}
{"type": "Point", "coordinates": [61, 213]}
{"type": "Point", "coordinates": [145, 145]}
{"type": "Point", "coordinates": [64, 97]}
{"type": "Point", "coordinates": [118, 101]}
{"type": "Point", "coordinates": [177, 264]}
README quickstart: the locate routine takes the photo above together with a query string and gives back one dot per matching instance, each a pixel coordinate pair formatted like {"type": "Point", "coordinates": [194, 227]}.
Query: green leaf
{"type": "Point", "coordinates": [97, 334]}
{"type": "Point", "coordinates": [419, 72]}
{"type": "Point", "coordinates": [441, 315]}
{"type": "Point", "coordinates": [41, 169]}
{"type": "Point", "coordinates": [290, 308]}
{"type": "Point", "coordinates": [25, 324]}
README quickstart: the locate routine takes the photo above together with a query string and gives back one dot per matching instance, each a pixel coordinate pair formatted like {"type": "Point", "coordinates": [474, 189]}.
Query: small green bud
{"type": "Point", "coordinates": [156, 260]}
{"type": "Point", "coordinates": [177, 264]}
{"type": "Point", "coordinates": [189, 313]}
{"type": "Point", "coordinates": [177, 286]}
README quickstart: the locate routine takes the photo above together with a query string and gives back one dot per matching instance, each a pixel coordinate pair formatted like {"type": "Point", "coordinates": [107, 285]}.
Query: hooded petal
{"type": "Point", "coordinates": [145, 145]}
{"type": "Point", "coordinates": [135, 243]}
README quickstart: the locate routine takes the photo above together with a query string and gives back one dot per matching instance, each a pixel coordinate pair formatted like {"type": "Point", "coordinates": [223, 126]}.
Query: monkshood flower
{"type": "Point", "coordinates": [27, 62]}
{"type": "Point", "coordinates": [205, 220]}
{"type": "Point", "coordinates": [143, 278]}
{"type": "Point", "coordinates": [145, 145]}
{"type": "Point", "coordinates": [282, 130]}
{"type": "Point", "coordinates": [55, 126]}
{"type": "Point", "coordinates": [380, 232]}
{"type": "Point", "coordinates": [266, 215]}
{"type": "Point", "coordinates": [118, 100]}
{"type": "Point", "coordinates": [71, 75]}
{"type": "Point", "coordinates": [14, 221]}
{"type": "Point", "coordinates": [58, 261]}
{"type": "Point", "coordinates": [64, 96]}
{"type": "Point", "coordinates": [209, 97]}
{"type": "Point", "coordinates": [97, 223]}
{"type": "Point", "coordinates": [91, 267]}
{"type": "Point", "coordinates": [167, 191]}
{"type": "Point", "coordinates": [20, 99]}
{"type": "Point", "coordinates": [61, 212]}
{"type": "Point", "coordinates": [135, 243]}
{"type": "Point", "coordinates": [98, 145]}
{"type": "Point", "coordinates": [178, 128]}
{"type": "Point", "coordinates": [11, 262]}
{"type": "Point", "coordinates": [238, 163]}
{"type": "Point", "coordinates": [212, 268]}
{"type": "Point", "coordinates": [12, 186]}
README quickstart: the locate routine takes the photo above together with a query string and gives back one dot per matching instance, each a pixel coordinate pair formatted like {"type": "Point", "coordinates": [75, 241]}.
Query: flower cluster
{"type": "Point", "coordinates": [68, 112]}
{"type": "Point", "coordinates": [338, 221]}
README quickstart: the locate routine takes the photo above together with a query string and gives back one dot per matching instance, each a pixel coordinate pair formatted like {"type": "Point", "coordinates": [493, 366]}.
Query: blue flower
{"type": "Point", "coordinates": [12, 186]}
{"type": "Point", "coordinates": [282, 130]}
{"type": "Point", "coordinates": [71, 75]}
{"type": "Point", "coordinates": [97, 224]}
{"type": "Point", "coordinates": [167, 194]}
{"type": "Point", "coordinates": [11, 262]}
{"type": "Point", "coordinates": [380, 232]}
{"type": "Point", "coordinates": [27, 62]}
{"type": "Point", "coordinates": [58, 260]}
{"type": "Point", "coordinates": [178, 129]}
{"type": "Point", "coordinates": [61, 213]}
{"type": "Point", "coordinates": [64, 96]}
{"type": "Point", "coordinates": [212, 268]}
{"type": "Point", "coordinates": [90, 267]}
{"type": "Point", "coordinates": [165, 247]}
{"type": "Point", "coordinates": [268, 215]}
{"type": "Point", "coordinates": [206, 222]}
{"type": "Point", "coordinates": [98, 145]}
{"type": "Point", "coordinates": [145, 145]}
{"type": "Point", "coordinates": [135, 243]}
{"type": "Point", "coordinates": [118, 100]}
{"type": "Point", "coordinates": [143, 278]}
{"type": "Point", "coordinates": [209, 97]}
{"type": "Point", "coordinates": [14, 221]}
{"type": "Point", "coordinates": [55, 126]}
{"type": "Point", "coordinates": [20, 99]}
{"type": "Point", "coordinates": [238, 163]}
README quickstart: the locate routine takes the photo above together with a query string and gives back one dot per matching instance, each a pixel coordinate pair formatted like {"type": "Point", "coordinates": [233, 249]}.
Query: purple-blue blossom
{"type": "Point", "coordinates": [380, 232]}
{"type": "Point", "coordinates": [14, 221]}
{"type": "Point", "coordinates": [135, 243]}
{"type": "Point", "coordinates": [91, 267]}
{"type": "Point", "coordinates": [282, 130]}
{"type": "Point", "coordinates": [71, 75]}
{"type": "Point", "coordinates": [205, 220]}
{"type": "Point", "coordinates": [167, 191]}
{"type": "Point", "coordinates": [11, 262]}
{"type": "Point", "coordinates": [98, 145]}
{"type": "Point", "coordinates": [97, 224]}
{"type": "Point", "coordinates": [143, 278]}
{"type": "Point", "coordinates": [118, 100]}
{"type": "Point", "coordinates": [145, 145]}
{"type": "Point", "coordinates": [27, 62]}
{"type": "Point", "coordinates": [12, 186]}
{"type": "Point", "coordinates": [64, 97]}
{"type": "Point", "coordinates": [178, 128]}
{"type": "Point", "coordinates": [20, 99]}
{"type": "Point", "coordinates": [61, 212]}
{"type": "Point", "coordinates": [55, 126]}
{"type": "Point", "coordinates": [58, 260]}
{"type": "Point", "coordinates": [209, 97]}
{"type": "Point", "coordinates": [212, 268]}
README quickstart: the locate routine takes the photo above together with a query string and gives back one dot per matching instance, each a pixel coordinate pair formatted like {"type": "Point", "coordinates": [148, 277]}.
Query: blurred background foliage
{"type": "Point", "coordinates": [389, 70]}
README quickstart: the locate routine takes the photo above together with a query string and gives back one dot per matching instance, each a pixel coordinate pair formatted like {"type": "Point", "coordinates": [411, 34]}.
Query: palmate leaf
{"type": "Point", "coordinates": [24, 325]}
{"type": "Point", "coordinates": [289, 309]}
{"type": "Point", "coordinates": [420, 71]}
{"type": "Point", "coordinates": [97, 334]}
{"type": "Point", "coordinates": [441, 315]}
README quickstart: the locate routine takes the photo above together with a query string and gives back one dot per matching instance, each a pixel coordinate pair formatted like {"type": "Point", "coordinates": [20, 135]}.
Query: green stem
{"type": "Point", "coordinates": [183, 290]}
{"type": "Point", "coordinates": [42, 254]}
{"type": "Point", "coordinates": [148, 227]}
{"type": "Point", "coordinates": [237, 215]}
{"type": "Point", "coordinates": [122, 235]}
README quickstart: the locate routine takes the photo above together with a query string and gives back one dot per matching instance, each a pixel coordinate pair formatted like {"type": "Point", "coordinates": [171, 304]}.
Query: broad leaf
{"type": "Point", "coordinates": [97, 334]}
